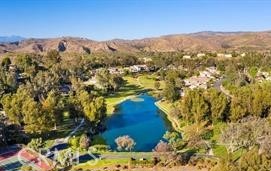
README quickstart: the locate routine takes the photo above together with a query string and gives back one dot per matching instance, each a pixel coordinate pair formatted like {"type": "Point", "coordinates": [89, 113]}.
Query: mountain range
{"type": "Point", "coordinates": [10, 39]}
{"type": "Point", "coordinates": [201, 41]}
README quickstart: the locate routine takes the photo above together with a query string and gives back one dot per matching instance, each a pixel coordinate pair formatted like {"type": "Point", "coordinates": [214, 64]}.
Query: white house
{"type": "Point", "coordinates": [202, 80]}
{"type": "Point", "coordinates": [243, 54]}
{"type": "Point", "coordinates": [199, 55]}
{"type": "Point", "coordinates": [186, 57]}
{"type": "Point", "coordinates": [138, 68]}
{"type": "Point", "coordinates": [220, 55]}
{"type": "Point", "coordinates": [228, 55]}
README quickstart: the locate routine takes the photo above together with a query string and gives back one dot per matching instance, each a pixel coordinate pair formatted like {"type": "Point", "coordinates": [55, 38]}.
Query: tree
{"type": "Point", "coordinates": [252, 161]}
{"type": "Point", "coordinates": [157, 85]}
{"type": "Point", "coordinates": [116, 82]}
{"type": "Point", "coordinates": [13, 103]}
{"type": "Point", "coordinates": [36, 144]}
{"type": "Point", "coordinates": [195, 135]}
{"type": "Point", "coordinates": [225, 165]}
{"type": "Point", "coordinates": [246, 134]}
{"type": "Point", "coordinates": [109, 82]}
{"type": "Point", "coordinates": [52, 58]}
{"type": "Point", "coordinates": [163, 147]}
{"type": "Point", "coordinates": [125, 143]}
{"type": "Point", "coordinates": [84, 141]}
{"type": "Point", "coordinates": [53, 108]}
{"type": "Point", "coordinates": [74, 142]}
{"type": "Point", "coordinates": [170, 92]}
{"type": "Point", "coordinates": [26, 63]}
{"type": "Point", "coordinates": [44, 82]}
{"type": "Point", "coordinates": [35, 121]}
{"type": "Point", "coordinates": [252, 100]}
{"type": "Point", "coordinates": [5, 63]}
{"type": "Point", "coordinates": [194, 107]}
{"type": "Point", "coordinates": [218, 104]}
{"type": "Point", "coordinates": [174, 139]}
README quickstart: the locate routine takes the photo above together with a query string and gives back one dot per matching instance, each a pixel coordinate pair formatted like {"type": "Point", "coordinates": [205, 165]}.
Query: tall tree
{"type": "Point", "coordinates": [218, 103]}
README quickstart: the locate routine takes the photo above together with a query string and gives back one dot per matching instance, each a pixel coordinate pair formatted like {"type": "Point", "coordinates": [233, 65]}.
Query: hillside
{"type": "Point", "coordinates": [202, 41]}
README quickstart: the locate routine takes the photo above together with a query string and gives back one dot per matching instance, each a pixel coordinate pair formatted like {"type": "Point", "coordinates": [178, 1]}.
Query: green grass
{"type": "Point", "coordinates": [62, 131]}
{"type": "Point", "coordinates": [165, 106]}
{"type": "Point", "coordinates": [125, 92]}
{"type": "Point", "coordinates": [133, 86]}
{"type": "Point", "coordinates": [101, 164]}
{"type": "Point", "coordinates": [148, 81]}
{"type": "Point", "coordinates": [220, 151]}
{"type": "Point", "coordinates": [217, 127]}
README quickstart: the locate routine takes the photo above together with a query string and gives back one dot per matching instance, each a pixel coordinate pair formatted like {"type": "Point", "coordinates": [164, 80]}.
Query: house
{"type": "Point", "coordinates": [186, 57]}
{"type": "Point", "coordinates": [199, 55]}
{"type": "Point", "coordinates": [138, 68]}
{"type": "Point", "coordinates": [243, 54]}
{"type": "Point", "coordinates": [220, 55]}
{"type": "Point", "coordinates": [2, 113]}
{"type": "Point", "coordinates": [196, 82]}
{"type": "Point", "coordinates": [145, 60]}
{"type": "Point", "coordinates": [263, 76]}
{"type": "Point", "coordinates": [203, 79]}
{"type": "Point", "coordinates": [228, 55]}
{"type": "Point", "coordinates": [114, 70]}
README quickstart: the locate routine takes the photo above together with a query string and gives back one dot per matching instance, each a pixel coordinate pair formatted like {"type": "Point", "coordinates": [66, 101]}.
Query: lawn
{"type": "Point", "coordinates": [133, 86]}
{"type": "Point", "coordinates": [111, 159]}
{"type": "Point", "coordinates": [164, 106]}
{"type": "Point", "coordinates": [148, 81]}
{"type": "Point", "coordinates": [101, 164]}
{"type": "Point", "coordinates": [124, 93]}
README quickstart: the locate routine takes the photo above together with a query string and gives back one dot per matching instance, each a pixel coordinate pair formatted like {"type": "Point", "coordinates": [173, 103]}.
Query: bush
{"type": "Point", "coordinates": [99, 148]}
{"type": "Point", "coordinates": [36, 144]}
{"type": "Point", "coordinates": [84, 141]}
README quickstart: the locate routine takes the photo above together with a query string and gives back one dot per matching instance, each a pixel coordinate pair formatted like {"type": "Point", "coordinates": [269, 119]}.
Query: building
{"type": "Point", "coordinates": [196, 82]}
{"type": "Point", "coordinates": [114, 70]}
{"type": "Point", "coordinates": [145, 59]}
{"type": "Point", "coordinates": [228, 55]}
{"type": "Point", "coordinates": [186, 57]}
{"type": "Point", "coordinates": [199, 55]}
{"type": "Point", "coordinates": [220, 55]}
{"type": "Point", "coordinates": [243, 54]}
{"type": "Point", "coordinates": [138, 68]}
{"type": "Point", "coordinates": [203, 79]}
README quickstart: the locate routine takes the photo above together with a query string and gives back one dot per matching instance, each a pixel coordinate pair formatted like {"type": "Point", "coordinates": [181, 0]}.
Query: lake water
{"type": "Point", "coordinates": [141, 120]}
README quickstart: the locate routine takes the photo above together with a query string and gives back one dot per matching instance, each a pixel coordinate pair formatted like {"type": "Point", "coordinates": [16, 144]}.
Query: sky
{"type": "Point", "coordinates": [130, 19]}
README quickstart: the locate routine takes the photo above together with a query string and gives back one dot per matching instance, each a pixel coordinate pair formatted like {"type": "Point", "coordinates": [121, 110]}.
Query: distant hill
{"type": "Point", "coordinates": [202, 41]}
{"type": "Point", "coordinates": [10, 39]}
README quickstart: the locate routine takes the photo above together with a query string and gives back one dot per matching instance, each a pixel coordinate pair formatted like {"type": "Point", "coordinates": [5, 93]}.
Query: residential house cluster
{"type": "Point", "coordinates": [199, 55]}
{"type": "Point", "coordinates": [224, 55]}
{"type": "Point", "coordinates": [202, 80]}
{"type": "Point", "coordinates": [263, 76]}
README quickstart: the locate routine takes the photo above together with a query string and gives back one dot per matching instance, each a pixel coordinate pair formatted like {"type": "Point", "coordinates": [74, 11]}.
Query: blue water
{"type": "Point", "coordinates": [141, 120]}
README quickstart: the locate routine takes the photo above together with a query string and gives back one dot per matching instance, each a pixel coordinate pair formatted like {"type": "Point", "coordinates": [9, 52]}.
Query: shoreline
{"type": "Point", "coordinates": [172, 120]}
{"type": "Point", "coordinates": [109, 113]}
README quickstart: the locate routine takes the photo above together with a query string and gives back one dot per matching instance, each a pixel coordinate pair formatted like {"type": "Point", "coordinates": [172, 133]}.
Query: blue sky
{"type": "Point", "coordinates": [129, 19]}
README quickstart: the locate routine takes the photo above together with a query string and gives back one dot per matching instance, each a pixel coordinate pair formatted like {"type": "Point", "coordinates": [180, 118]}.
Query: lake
{"type": "Point", "coordinates": [140, 119]}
